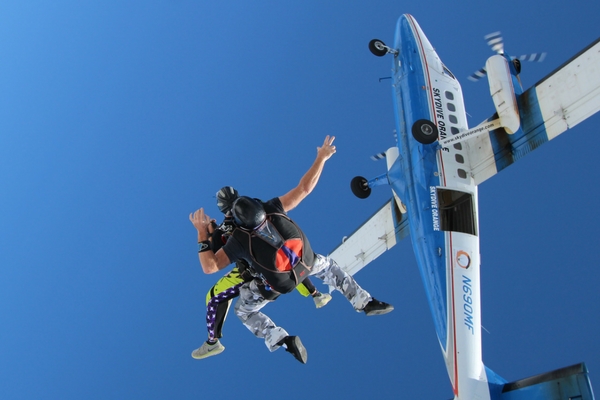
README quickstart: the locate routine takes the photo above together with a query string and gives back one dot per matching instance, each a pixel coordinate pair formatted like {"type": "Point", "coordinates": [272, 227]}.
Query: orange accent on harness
{"type": "Point", "coordinates": [283, 262]}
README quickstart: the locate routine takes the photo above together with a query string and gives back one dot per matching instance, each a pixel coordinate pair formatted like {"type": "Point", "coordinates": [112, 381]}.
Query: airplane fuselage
{"type": "Point", "coordinates": [441, 202]}
{"type": "Point", "coordinates": [434, 171]}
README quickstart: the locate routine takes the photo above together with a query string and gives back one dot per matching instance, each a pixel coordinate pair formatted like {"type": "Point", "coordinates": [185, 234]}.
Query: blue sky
{"type": "Point", "coordinates": [118, 119]}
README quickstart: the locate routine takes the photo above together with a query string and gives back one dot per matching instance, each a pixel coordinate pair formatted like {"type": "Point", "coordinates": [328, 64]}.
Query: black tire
{"type": "Point", "coordinates": [377, 47]}
{"type": "Point", "coordinates": [424, 131]}
{"type": "Point", "coordinates": [360, 187]}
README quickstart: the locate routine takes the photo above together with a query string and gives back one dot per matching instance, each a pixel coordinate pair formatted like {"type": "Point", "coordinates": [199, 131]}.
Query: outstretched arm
{"type": "Point", "coordinates": [211, 262]}
{"type": "Point", "coordinates": [308, 182]}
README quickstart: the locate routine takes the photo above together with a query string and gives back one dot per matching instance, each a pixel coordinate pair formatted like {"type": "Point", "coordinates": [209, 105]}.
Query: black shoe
{"type": "Point", "coordinates": [294, 346]}
{"type": "Point", "coordinates": [376, 307]}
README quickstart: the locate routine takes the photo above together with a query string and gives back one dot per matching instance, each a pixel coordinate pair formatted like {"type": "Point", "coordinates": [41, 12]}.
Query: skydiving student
{"type": "Point", "coordinates": [218, 298]}
{"type": "Point", "coordinates": [278, 250]}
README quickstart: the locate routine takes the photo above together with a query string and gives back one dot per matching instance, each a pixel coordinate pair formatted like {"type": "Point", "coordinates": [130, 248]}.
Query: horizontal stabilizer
{"type": "Point", "coordinates": [567, 383]}
{"type": "Point", "coordinates": [380, 233]}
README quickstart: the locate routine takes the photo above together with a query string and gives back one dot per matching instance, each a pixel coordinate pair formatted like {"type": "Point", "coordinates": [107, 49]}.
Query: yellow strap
{"type": "Point", "coordinates": [303, 290]}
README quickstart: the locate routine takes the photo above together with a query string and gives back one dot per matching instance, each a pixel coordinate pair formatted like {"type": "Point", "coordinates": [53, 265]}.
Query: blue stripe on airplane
{"type": "Point", "coordinates": [413, 89]}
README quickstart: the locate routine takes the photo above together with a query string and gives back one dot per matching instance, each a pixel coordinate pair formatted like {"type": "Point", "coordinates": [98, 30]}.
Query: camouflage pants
{"type": "Point", "coordinates": [250, 302]}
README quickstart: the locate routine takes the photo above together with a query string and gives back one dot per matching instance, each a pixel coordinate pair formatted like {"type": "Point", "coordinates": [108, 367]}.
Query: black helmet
{"type": "Point", "coordinates": [248, 213]}
{"type": "Point", "coordinates": [225, 198]}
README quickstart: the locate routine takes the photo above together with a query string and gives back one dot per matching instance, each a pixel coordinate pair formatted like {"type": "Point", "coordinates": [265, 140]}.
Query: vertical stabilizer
{"type": "Point", "coordinates": [568, 383]}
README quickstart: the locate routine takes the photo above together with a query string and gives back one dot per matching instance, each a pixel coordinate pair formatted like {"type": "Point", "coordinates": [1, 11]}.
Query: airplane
{"type": "Point", "coordinates": [434, 171]}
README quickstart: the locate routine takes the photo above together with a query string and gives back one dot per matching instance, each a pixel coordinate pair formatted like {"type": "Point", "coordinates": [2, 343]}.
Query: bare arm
{"type": "Point", "coordinates": [308, 182]}
{"type": "Point", "coordinates": [210, 262]}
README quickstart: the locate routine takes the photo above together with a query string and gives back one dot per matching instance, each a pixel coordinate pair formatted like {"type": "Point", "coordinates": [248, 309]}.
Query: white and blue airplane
{"type": "Point", "coordinates": [434, 172]}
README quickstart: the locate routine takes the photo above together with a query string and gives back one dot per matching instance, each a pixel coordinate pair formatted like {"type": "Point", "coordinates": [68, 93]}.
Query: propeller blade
{"type": "Point", "coordinates": [494, 40]}
{"type": "Point", "coordinates": [534, 57]}
{"type": "Point", "coordinates": [378, 156]}
{"type": "Point", "coordinates": [477, 75]}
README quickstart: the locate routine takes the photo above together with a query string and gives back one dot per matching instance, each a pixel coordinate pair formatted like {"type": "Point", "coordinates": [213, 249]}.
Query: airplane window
{"type": "Point", "coordinates": [447, 72]}
{"type": "Point", "coordinates": [462, 173]}
{"type": "Point", "coordinates": [449, 95]}
{"type": "Point", "coordinates": [457, 146]}
{"type": "Point", "coordinates": [460, 159]}
{"type": "Point", "coordinates": [451, 107]}
{"type": "Point", "coordinates": [452, 118]}
{"type": "Point", "coordinates": [454, 130]}
{"type": "Point", "coordinates": [456, 211]}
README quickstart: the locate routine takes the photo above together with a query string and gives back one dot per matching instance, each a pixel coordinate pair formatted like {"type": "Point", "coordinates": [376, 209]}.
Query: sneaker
{"type": "Point", "coordinates": [294, 346]}
{"type": "Point", "coordinates": [207, 350]}
{"type": "Point", "coordinates": [376, 307]}
{"type": "Point", "coordinates": [321, 299]}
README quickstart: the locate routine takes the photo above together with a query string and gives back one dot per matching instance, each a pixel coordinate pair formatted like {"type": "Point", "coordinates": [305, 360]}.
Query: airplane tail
{"type": "Point", "coordinates": [568, 383]}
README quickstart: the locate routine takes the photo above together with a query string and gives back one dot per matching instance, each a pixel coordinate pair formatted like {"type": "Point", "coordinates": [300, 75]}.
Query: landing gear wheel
{"type": "Point", "coordinates": [378, 48]}
{"type": "Point", "coordinates": [424, 131]}
{"type": "Point", "coordinates": [360, 187]}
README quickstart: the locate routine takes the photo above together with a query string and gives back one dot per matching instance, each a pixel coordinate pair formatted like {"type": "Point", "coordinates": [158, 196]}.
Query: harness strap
{"type": "Point", "coordinates": [299, 267]}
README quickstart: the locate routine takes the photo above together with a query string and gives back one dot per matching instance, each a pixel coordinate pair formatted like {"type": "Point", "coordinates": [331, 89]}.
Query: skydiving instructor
{"type": "Point", "coordinates": [252, 217]}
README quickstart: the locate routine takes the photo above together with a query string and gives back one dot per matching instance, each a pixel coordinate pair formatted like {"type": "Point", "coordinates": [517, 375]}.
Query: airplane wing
{"type": "Point", "coordinates": [379, 233]}
{"type": "Point", "coordinates": [558, 102]}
